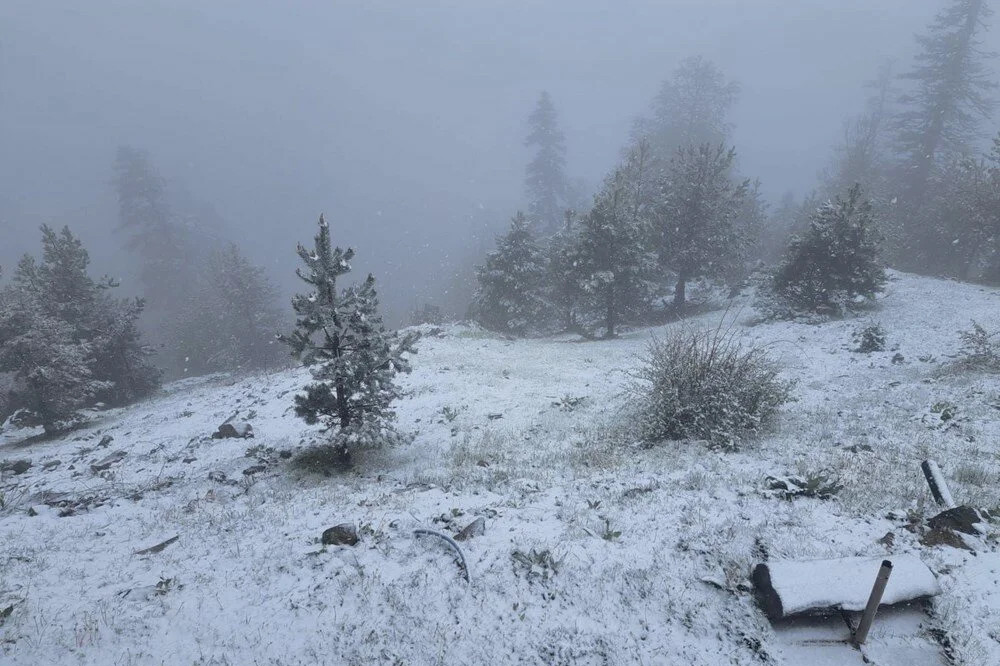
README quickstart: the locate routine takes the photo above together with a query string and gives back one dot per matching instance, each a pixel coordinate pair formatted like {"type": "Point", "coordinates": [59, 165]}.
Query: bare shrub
{"type": "Point", "coordinates": [706, 385]}
{"type": "Point", "coordinates": [980, 349]}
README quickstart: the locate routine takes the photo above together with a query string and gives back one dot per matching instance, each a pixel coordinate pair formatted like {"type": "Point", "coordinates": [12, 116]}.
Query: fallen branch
{"type": "Point", "coordinates": [451, 542]}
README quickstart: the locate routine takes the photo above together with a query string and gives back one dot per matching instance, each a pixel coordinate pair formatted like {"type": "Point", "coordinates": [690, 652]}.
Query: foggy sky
{"type": "Point", "coordinates": [403, 121]}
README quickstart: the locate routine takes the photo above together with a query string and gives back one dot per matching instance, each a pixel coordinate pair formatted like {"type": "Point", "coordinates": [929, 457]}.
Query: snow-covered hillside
{"type": "Point", "coordinates": [596, 551]}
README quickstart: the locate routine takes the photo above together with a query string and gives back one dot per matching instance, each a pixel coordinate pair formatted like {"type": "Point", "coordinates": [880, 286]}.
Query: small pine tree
{"type": "Point", "coordinates": [339, 336]}
{"type": "Point", "coordinates": [509, 297]}
{"type": "Point", "coordinates": [836, 261]}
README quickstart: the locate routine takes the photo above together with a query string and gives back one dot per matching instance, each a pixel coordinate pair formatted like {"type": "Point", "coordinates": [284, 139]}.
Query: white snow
{"type": "Point", "coordinates": [596, 551]}
{"type": "Point", "coordinates": [806, 586]}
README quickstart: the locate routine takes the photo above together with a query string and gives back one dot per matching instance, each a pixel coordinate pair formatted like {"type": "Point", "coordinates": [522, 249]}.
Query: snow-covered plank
{"type": "Point", "coordinates": [814, 587]}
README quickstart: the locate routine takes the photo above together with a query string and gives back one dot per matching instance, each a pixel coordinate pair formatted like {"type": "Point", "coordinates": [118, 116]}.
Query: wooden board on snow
{"type": "Point", "coordinates": [822, 587]}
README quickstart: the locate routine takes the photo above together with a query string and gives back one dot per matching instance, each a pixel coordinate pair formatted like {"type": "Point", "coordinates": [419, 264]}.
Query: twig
{"type": "Point", "coordinates": [451, 542]}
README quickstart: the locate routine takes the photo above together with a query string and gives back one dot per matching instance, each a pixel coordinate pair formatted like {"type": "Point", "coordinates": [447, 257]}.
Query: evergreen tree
{"type": "Point", "coordinates": [242, 308]}
{"type": "Point", "coordinates": [836, 261]}
{"type": "Point", "coordinates": [67, 293]}
{"type": "Point", "coordinates": [697, 223]}
{"type": "Point", "coordinates": [614, 263]}
{"type": "Point", "coordinates": [545, 180]}
{"type": "Point", "coordinates": [691, 108]}
{"type": "Point", "coordinates": [339, 336]}
{"type": "Point", "coordinates": [167, 256]}
{"type": "Point", "coordinates": [952, 93]}
{"type": "Point", "coordinates": [52, 370]}
{"type": "Point", "coordinates": [509, 297]}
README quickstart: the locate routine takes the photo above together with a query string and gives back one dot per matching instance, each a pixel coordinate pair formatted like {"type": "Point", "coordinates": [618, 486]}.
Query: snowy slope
{"type": "Point", "coordinates": [595, 551]}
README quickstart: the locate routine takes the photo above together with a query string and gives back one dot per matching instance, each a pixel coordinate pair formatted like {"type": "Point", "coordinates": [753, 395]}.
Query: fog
{"type": "Point", "coordinates": [402, 121]}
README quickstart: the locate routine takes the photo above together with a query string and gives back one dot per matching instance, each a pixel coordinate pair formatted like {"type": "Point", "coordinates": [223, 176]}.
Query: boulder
{"type": "Point", "coordinates": [962, 519]}
{"type": "Point", "coordinates": [476, 528]}
{"type": "Point", "coordinates": [106, 463]}
{"type": "Point", "coordinates": [344, 534]}
{"type": "Point", "coordinates": [15, 466]}
{"type": "Point", "coordinates": [240, 430]}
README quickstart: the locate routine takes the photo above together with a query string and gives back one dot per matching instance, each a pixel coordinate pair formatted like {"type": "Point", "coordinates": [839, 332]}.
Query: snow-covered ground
{"type": "Point", "coordinates": [595, 552]}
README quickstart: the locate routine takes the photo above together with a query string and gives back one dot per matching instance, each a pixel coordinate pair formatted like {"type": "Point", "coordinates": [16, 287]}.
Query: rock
{"type": "Point", "coordinates": [944, 537]}
{"type": "Point", "coordinates": [105, 441]}
{"type": "Point", "coordinates": [50, 465]}
{"type": "Point", "coordinates": [344, 534]}
{"type": "Point", "coordinates": [958, 519]}
{"type": "Point", "coordinates": [256, 469]}
{"type": "Point", "coordinates": [234, 431]}
{"type": "Point", "coordinates": [494, 416]}
{"type": "Point", "coordinates": [476, 528]}
{"type": "Point", "coordinates": [189, 460]}
{"type": "Point", "coordinates": [217, 476]}
{"type": "Point", "coordinates": [107, 462]}
{"type": "Point", "coordinates": [16, 466]}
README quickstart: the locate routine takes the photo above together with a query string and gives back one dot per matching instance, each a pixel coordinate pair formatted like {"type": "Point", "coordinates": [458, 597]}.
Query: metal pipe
{"type": "Point", "coordinates": [881, 580]}
{"type": "Point", "coordinates": [938, 486]}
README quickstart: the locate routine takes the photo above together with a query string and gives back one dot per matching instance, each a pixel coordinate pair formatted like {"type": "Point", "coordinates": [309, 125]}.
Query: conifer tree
{"type": "Point", "coordinates": [511, 282]}
{"type": "Point", "coordinates": [691, 108]}
{"type": "Point", "coordinates": [697, 222]}
{"type": "Point", "coordinates": [545, 179]}
{"type": "Point", "coordinates": [52, 369]}
{"type": "Point", "coordinates": [339, 336]}
{"type": "Point", "coordinates": [166, 253]}
{"type": "Point", "coordinates": [614, 262]}
{"type": "Point", "coordinates": [951, 94]}
{"type": "Point", "coordinates": [836, 261]}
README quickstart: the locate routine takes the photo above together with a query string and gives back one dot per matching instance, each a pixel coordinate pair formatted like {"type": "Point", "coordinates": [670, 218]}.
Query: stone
{"type": "Point", "coordinates": [234, 431]}
{"type": "Point", "coordinates": [105, 441]}
{"type": "Point", "coordinates": [50, 465]}
{"type": "Point", "coordinates": [18, 467]}
{"type": "Point", "coordinates": [476, 528]}
{"type": "Point", "coordinates": [106, 463]}
{"type": "Point", "coordinates": [344, 534]}
{"type": "Point", "coordinates": [217, 476]}
{"type": "Point", "coordinates": [256, 469]}
{"type": "Point", "coordinates": [958, 519]}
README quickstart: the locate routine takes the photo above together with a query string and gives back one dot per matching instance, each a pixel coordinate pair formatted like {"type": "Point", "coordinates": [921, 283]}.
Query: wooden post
{"type": "Point", "coordinates": [938, 486]}
{"type": "Point", "coordinates": [881, 580]}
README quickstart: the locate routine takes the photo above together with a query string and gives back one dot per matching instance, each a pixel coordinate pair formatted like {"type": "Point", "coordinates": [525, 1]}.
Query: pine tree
{"type": "Point", "coordinates": [511, 282]}
{"type": "Point", "coordinates": [52, 370]}
{"type": "Point", "coordinates": [614, 263]}
{"type": "Point", "coordinates": [836, 261]}
{"type": "Point", "coordinates": [691, 108]}
{"type": "Point", "coordinates": [545, 179]}
{"type": "Point", "coordinates": [339, 336]}
{"type": "Point", "coordinates": [696, 225]}
{"type": "Point", "coordinates": [242, 306]}
{"type": "Point", "coordinates": [166, 253]}
{"type": "Point", "coordinates": [66, 292]}
{"type": "Point", "coordinates": [952, 93]}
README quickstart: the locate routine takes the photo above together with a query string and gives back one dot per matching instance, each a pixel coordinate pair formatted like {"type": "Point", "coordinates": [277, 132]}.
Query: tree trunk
{"type": "Point", "coordinates": [609, 317]}
{"type": "Point", "coordinates": [680, 293]}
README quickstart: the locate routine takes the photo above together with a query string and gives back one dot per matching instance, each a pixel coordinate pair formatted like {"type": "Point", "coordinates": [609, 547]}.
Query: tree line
{"type": "Point", "coordinates": [909, 185]}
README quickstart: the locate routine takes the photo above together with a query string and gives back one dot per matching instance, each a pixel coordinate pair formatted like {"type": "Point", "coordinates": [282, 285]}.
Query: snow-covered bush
{"type": "Point", "coordinates": [980, 349]}
{"type": "Point", "coordinates": [706, 385]}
